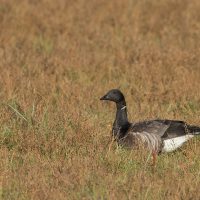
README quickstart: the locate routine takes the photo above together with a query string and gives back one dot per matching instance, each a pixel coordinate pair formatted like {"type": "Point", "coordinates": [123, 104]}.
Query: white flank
{"type": "Point", "coordinates": [174, 143]}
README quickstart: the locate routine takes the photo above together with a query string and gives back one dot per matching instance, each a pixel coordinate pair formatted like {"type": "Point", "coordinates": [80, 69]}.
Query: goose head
{"type": "Point", "coordinates": [114, 95]}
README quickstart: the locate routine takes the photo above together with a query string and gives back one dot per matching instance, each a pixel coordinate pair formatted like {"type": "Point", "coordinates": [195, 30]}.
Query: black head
{"type": "Point", "coordinates": [113, 95]}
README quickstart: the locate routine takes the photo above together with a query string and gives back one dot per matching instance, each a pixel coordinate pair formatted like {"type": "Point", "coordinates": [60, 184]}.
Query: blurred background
{"type": "Point", "coordinates": [57, 58]}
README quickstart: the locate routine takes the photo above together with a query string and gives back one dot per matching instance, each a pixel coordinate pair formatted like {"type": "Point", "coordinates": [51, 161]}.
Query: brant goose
{"type": "Point", "coordinates": [158, 135]}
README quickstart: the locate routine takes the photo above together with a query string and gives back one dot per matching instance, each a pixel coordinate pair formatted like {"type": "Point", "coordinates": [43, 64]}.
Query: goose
{"type": "Point", "coordinates": [157, 135]}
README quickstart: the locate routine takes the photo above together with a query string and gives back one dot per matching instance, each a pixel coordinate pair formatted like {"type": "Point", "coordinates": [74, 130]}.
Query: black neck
{"type": "Point", "coordinates": [121, 123]}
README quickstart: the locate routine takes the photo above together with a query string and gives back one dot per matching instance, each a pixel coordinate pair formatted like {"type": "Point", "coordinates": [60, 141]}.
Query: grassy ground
{"type": "Point", "coordinates": [57, 58]}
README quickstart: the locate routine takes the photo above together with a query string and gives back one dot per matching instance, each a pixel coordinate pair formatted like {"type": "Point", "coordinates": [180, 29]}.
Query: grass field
{"type": "Point", "coordinates": [57, 58]}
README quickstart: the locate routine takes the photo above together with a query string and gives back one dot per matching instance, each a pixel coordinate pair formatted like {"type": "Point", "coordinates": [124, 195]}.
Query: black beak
{"type": "Point", "coordinates": [104, 97]}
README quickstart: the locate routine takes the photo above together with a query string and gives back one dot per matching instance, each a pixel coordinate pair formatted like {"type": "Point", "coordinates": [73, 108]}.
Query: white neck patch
{"type": "Point", "coordinates": [123, 107]}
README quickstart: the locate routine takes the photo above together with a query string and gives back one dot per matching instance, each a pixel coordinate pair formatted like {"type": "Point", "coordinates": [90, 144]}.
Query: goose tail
{"type": "Point", "coordinates": [194, 130]}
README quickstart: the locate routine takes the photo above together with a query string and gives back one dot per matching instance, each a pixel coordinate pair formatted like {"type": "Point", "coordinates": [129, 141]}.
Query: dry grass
{"type": "Point", "coordinates": [57, 58]}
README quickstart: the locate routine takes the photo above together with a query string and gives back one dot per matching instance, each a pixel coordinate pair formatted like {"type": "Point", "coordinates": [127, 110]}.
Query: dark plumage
{"type": "Point", "coordinates": [158, 135]}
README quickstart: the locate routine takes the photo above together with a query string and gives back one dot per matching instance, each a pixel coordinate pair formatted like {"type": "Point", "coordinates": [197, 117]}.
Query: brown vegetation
{"type": "Point", "coordinates": [57, 58]}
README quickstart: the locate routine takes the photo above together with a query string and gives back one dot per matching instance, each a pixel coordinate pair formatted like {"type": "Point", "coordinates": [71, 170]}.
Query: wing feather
{"type": "Point", "coordinates": [152, 127]}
